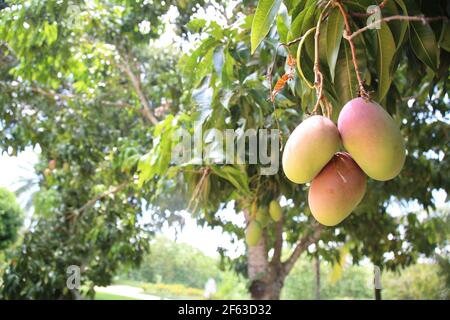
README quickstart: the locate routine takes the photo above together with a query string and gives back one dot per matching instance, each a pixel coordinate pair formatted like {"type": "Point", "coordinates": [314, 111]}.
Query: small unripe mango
{"type": "Point", "coordinates": [253, 233]}
{"type": "Point", "coordinates": [254, 208]}
{"type": "Point", "coordinates": [275, 211]}
{"type": "Point", "coordinates": [336, 190]}
{"type": "Point", "coordinates": [372, 138]}
{"type": "Point", "coordinates": [262, 216]}
{"type": "Point", "coordinates": [309, 148]}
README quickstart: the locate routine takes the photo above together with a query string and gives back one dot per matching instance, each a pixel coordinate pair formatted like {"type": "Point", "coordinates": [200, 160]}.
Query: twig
{"type": "Point", "coordinates": [318, 76]}
{"type": "Point", "coordinates": [349, 36]}
{"type": "Point", "coordinates": [51, 94]}
{"type": "Point", "coordinates": [292, 42]}
{"type": "Point", "coordinates": [302, 245]}
{"type": "Point", "coordinates": [198, 188]}
{"type": "Point", "coordinates": [271, 67]}
{"type": "Point", "coordinates": [137, 85]}
{"type": "Point", "coordinates": [65, 97]}
{"type": "Point", "coordinates": [78, 212]}
{"type": "Point", "coordinates": [362, 92]}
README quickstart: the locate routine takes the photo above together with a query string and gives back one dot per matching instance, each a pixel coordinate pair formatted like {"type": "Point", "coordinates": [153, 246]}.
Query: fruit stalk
{"type": "Point", "coordinates": [318, 76]}
{"type": "Point", "coordinates": [362, 91]}
{"type": "Point", "coordinates": [393, 18]}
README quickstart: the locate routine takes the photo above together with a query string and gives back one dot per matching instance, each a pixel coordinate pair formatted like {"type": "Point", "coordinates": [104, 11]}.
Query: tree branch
{"type": "Point", "coordinates": [65, 97]}
{"type": "Point", "coordinates": [79, 212]}
{"type": "Point", "coordinates": [137, 85]}
{"type": "Point", "coordinates": [51, 94]}
{"type": "Point", "coordinates": [302, 245]}
{"type": "Point", "coordinates": [278, 242]}
{"type": "Point", "coordinates": [349, 36]}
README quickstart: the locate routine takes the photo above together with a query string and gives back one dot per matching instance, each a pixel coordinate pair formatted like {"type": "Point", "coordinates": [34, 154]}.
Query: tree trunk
{"type": "Point", "coordinates": [267, 277]}
{"type": "Point", "coordinates": [317, 273]}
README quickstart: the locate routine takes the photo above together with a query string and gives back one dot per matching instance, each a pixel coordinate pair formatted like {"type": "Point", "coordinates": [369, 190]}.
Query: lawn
{"type": "Point", "coordinates": [110, 296]}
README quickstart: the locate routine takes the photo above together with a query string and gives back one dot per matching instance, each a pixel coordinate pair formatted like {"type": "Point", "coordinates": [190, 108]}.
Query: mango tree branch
{"type": "Point", "coordinates": [137, 85]}
{"type": "Point", "coordinates": [349, 36]}
{"type": "Point", "coordinates": [64, 97]}
{"type": "Point", "coordinates": [78, 212]}
{"type": "Point", "coordinates": [278, 242]}
{"type": "Point", "coordinates": [302, 245]}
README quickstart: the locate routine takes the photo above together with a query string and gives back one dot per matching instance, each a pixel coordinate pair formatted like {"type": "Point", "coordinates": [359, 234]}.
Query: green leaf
{"type": "Point", "coordinates": [386, 51]}
{"type": "Point", "coordinates": [444, 41]}
{"type": "Point", "coordinates": [346, 83]}
{"type": "Point", "coordinates": [51, 32]}
{"type": "Point", "coordinates": [399, 27]}
{"type": "Point", "coordinates": [424, 44]}
{"type": "Point", "coordinates": [227, 70]}
{"type": "Point", "coordinates": [264, 16]}
{"type": "Point", "coordinates": [235, 175]}
{"type": "Point", "coordinates": [298, 23]}
{"type": "Point", "coordinates": [294, 6]}
{"type": "Point", "coordinates": [282, 27]}
{"type": "Point", "coordinates": [196, 25]}
{"type": "Point", "coordinates": [335, 27]}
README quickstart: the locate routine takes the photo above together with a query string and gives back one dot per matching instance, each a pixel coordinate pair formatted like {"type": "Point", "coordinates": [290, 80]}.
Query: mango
{"type": "Point", "coordinates": [336, 190]}
{"type": "Point", "coordinates": [372, 138]}
{"type": "Point", "coordinates": [262, 216]}
{"type": "Point", "coordinates": [275, 211]}
{"type": "Point", "coordinates": [253, 233]}
{"type": "Point", "coordinates": [309, 148]}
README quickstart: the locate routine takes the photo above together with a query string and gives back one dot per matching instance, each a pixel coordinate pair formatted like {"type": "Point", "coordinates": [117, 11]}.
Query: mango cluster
{"type": "Point", "coordinates": [260, 217]}
{"type": "Point", "coordinates": [374, 147]}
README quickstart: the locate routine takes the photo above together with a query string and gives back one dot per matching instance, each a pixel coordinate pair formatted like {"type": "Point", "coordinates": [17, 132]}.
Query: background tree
{"type": "Point", "coordinates": [78, 80]}
{"type": "Point", "coordinates": [171, 262]}
{"type": "Point", "coordinates": [11, 218]}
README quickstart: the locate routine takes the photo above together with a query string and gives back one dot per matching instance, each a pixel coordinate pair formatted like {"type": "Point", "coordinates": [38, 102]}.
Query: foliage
{"type": "Point", "coordinates": [231, 286]}
{"type": "Point", "coordinates": [68, 84]}
{"type": "Point", "coordinates": [170, 262]}
{"type": "Point", "coordinates": [416, 282]}
{"type": "Point", "coordinates": [354, 283]}
{"type": "Point", "coordinates": [11, 218]}
{"type": "Point", "coordinates": [176, 267]}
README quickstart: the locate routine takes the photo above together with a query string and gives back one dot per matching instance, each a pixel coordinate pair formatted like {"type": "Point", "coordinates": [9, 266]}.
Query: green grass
{"type": "Point", "coordinates": [110, 296]}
